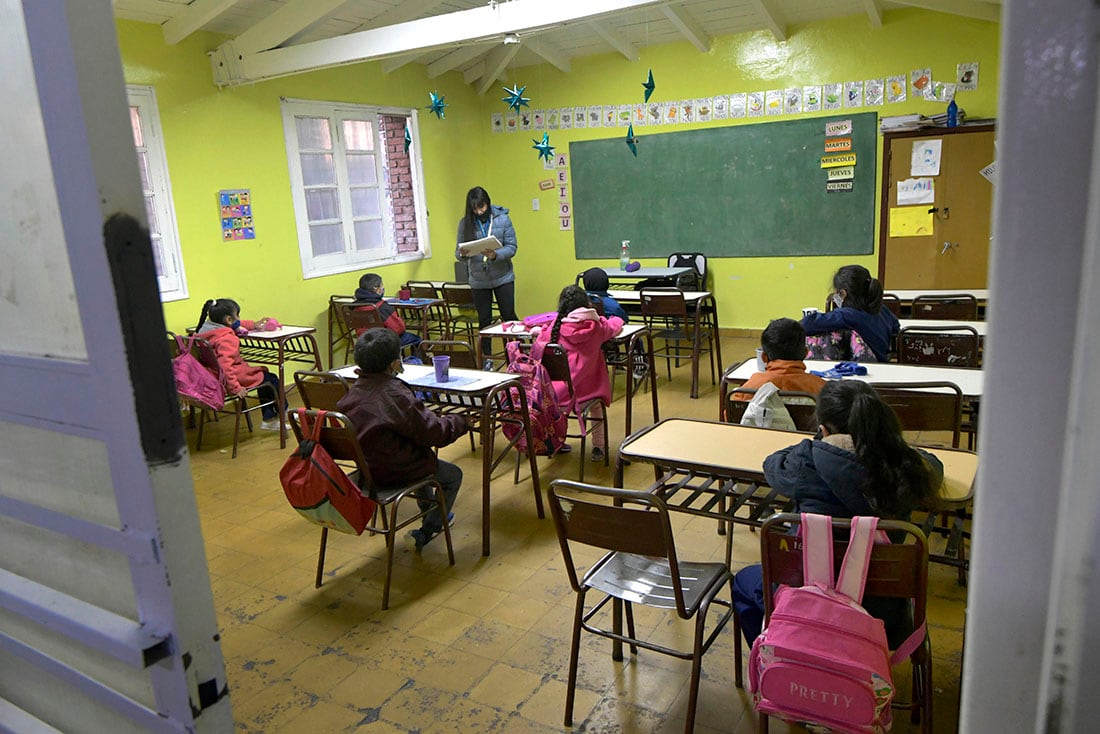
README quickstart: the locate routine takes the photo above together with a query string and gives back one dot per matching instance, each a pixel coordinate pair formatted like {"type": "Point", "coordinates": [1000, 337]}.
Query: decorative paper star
{"type": "Point", "coordinates": [408, 138]}
{"type": "Point", "coordinates": [649, 86]}
{"type": "Point", "coordinates": [544, 148]}
{"type": "Point", "coordinates": [631, 141]}
{"type": "Point", "coordinates": [515, 98]}
{"type": "Point", "coordinates": [437, 105]}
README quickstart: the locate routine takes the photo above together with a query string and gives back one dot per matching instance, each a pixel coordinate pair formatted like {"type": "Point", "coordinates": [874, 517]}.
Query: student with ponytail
{"type": "Point", "coordinates": [581, 332]}
{"type": "Point", "coordinates": [858, 300]}
{"type": "Point", "coordinates": [219, 323]}
{"type": "Point", "coordinates": [858, 464]}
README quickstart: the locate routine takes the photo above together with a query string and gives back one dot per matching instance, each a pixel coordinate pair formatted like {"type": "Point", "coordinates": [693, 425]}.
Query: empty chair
{"type": "Point", "coordinates": [896, 570]}
{"type": "Point", "coordinates": [950, 346]}
{"type": "Point", "coordinates": [320, 390]}
{"type": "Point", "coordinates": [925, 406]}
{"type": "Point", "coordinates": [435, 323]}
{"type": "Point", "coordinates": [461, 352]}
{"type": "Point", "coordinates": [801, 407]}
{"type": "Point", "coordinates": [664, 312]}
{"type": "Point", "coordinates": [640, 566]}
{"type": "Point", "coordinates": [893, 303]}
{"type": "Point", "coordinates": [461, 311]}
{"type": "Point", "coordinates": [957, 306]}
{"type": "Point", "coordinates": [338, 437]}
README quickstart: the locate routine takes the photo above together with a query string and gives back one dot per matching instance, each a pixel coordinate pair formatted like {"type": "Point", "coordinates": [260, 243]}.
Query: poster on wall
{"type": "Point", "coordinates": [235, 206]}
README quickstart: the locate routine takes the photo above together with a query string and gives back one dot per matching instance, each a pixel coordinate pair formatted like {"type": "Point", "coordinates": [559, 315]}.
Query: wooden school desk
{"type": "Point", "coordinates": [488, 402]}
{"type": "Point", "coordinates": [673, 276]}
{"type": "Point", "coordinates": [978, 326]}
{"type": "Point", "coordinates": [285, 344]}
{"type": "Point", "coordinates": [716, 470]}
{"type": "Point", "coordinates": [627, 339]}
{"type": "Point", "coordinates": [906, 296]}
{"type": "Point", "coordinates": [705, 314]}
{"type": "Point", "coordinates": [970, 381]}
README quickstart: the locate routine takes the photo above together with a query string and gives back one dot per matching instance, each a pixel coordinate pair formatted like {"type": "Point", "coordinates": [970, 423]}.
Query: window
{"type": "Point", "coordinates": [358, 199]}
{"type": "Point", "coordinates": [157, 190]}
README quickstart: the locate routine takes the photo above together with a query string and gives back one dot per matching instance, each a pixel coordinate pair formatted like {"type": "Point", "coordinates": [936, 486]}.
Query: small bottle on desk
{"type": "Point", "coordinates": [624, 255]}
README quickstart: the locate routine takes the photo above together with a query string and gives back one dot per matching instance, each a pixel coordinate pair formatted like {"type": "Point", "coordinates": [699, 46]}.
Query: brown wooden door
{"type": "Point", "coordinates": [956, 254]}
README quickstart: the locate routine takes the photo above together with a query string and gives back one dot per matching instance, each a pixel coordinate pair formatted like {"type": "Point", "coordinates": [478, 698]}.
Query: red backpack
{"type": "Point", "coordinates": [548, 421]}
{"type": "Point", "coordinates": [319, 489]}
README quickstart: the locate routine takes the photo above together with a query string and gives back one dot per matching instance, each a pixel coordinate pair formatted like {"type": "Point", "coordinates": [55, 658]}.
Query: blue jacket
{"type": "Point", "coordinates": [875, 328]}
{"type": "Point", "coordinates": [485, 273]}
{"type": "Point", "coordinates": [827, 479]}
{"type": "Point", "coordinates": [611, 307]}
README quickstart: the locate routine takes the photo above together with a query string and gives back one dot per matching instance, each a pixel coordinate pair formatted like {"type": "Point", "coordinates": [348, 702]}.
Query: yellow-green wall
{"type": "Point", "coordinates": [233, 138]}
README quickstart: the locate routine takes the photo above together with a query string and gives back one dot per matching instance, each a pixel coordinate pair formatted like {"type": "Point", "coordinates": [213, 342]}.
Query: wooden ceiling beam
{"type": "Point", "coordinates": [193, 18]}
{"type": "Point", "coordinates": [687, 27]}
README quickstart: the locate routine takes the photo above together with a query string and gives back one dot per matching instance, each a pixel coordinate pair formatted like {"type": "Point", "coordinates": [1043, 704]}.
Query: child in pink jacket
{"type": "Point", "coordinates": [581, 332]}
{"type": "Point", "coordinates": [218, 325]}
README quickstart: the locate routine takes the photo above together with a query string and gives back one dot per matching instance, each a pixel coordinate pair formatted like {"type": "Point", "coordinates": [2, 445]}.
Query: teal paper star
{"type": "Point", "coordinates": [631, 141]}
{"type": "Point", "coordinates": [408, 138]}
{"type": "Point", "coordinates": [437, 105]}
{"type": "Point", "coordinates": [515, 98]}
{"type": "Point", "coordinates": [649, 86]}
{"type": "Point", "coordinates": [544, 148]}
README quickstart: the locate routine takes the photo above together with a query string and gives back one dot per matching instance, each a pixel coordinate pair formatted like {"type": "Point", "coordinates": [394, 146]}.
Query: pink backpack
{"type": "Point", "coordinates": [195, 382]}
{"type": "Point", "coordinates": [549, 423]}
{"type": "Point", "coordinates": [823, 659]}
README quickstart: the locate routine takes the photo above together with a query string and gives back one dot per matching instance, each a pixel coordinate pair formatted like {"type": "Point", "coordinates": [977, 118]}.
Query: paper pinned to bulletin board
{"type": "Point", "coordinates": [911, 221]}
{"type": "Point", "coordinates": [235, 207]}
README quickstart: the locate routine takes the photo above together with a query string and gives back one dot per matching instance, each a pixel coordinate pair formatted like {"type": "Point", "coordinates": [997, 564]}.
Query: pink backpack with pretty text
{"type": "Point", "coordinates": [547, 419]}
{"type": "Point", "coordinates": [822, 659]}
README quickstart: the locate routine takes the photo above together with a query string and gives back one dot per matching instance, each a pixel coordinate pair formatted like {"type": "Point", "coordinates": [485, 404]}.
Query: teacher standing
{"type": "Point", "coordinates": [490, 271]}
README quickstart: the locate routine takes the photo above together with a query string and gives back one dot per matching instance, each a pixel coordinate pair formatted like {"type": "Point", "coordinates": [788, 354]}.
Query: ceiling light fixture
{"type": "Point", "coordinates": [510, 38]}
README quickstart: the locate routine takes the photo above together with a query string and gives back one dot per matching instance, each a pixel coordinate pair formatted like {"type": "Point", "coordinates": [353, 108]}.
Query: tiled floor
{"type": "Point", "coordinates": [477, 647]}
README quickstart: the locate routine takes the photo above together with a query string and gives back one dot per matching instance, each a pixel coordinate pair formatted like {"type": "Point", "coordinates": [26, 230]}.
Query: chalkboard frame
{"type": "Point", "coordinates": [766, 197]}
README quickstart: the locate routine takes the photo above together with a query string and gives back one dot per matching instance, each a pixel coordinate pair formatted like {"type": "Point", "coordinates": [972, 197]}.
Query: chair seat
{"type": "Point", "coordinates": [648, 581]}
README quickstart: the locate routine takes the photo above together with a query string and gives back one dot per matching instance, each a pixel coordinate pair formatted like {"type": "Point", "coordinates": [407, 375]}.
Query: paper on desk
{"type": "Point", "coordinates": [911, 221]}
{"type": "Point", "coordinates": [475, 247]}
{"type": "Point", "coordinates": [916, 191]}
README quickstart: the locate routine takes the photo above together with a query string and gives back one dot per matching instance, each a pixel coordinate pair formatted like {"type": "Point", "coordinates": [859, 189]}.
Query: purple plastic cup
{"type": "Point", "coordinates": [442, 366]}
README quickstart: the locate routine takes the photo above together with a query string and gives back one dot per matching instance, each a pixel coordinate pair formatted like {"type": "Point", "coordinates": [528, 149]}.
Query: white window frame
{"type": "Point", "coordinates": [173, 281]}
{"type": "Point", "coordinates": [350, 259]}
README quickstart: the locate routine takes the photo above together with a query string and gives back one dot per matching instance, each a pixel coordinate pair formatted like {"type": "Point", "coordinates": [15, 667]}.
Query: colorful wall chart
{"type": "Point", "coordinates": [235, 207]}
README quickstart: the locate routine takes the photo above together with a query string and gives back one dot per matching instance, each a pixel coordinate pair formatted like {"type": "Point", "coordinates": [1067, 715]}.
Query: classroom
{"type": "Point", "coordinates": [481, 644]}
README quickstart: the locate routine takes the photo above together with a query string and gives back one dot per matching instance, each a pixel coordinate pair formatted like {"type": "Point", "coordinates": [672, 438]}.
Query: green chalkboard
{"type": "Point", "coordinates": [753, 190]}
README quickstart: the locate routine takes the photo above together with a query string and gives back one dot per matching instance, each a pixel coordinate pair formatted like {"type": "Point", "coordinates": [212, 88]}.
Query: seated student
{"type": "Point", "coordinates": [859, 464]}
{"type": "Point", "coordinates": [369, 293]}
{"type": "Point", "coordinates": [596, 283]}
{"type": "Point", "coordinates": [396, 431]}
{"type": "Point", "coordinates": [784, 345]}
{"type": "Point", "coordinates": [858, 300]}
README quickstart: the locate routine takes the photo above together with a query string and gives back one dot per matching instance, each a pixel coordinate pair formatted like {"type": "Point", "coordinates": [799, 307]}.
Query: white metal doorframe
{"type": "Point", "coordinates": [122, 396]}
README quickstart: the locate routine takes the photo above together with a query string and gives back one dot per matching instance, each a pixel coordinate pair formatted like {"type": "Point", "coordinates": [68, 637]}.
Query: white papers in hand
{"type": "Point", "coordinates": [476, 247]}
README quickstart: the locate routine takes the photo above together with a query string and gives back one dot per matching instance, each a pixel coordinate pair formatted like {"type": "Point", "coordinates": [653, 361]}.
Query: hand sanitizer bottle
{"type": "Point", "coordinates": [624, 255]}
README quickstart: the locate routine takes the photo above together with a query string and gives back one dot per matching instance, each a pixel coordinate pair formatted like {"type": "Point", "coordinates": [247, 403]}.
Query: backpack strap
{"type": "Point", "coordinates": [537, 348]}
{"type": "Point", "coordinates": [817, 550]}
{"type": "Point", "coordinates": [183, 346]}
{"type": "Point", "coordinates": [857, 559]}
{"type": "Point", "coordinates": [912, 642]}
{"type": "Point", "coordinates": [312, 431]}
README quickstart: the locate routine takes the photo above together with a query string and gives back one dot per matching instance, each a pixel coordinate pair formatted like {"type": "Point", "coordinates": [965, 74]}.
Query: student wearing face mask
{"type": "Point", "coordinates": [857, 298]}
{"type": "Point", "coordinates": [490, 271]}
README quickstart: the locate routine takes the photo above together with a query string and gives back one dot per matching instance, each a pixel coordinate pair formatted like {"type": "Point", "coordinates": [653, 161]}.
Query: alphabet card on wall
{"type": "Point", "coordinates": [235, 207]}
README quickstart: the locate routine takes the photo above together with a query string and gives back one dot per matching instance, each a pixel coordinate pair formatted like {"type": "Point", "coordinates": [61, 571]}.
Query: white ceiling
{"type": "Point", "coordinates": [273, 38]}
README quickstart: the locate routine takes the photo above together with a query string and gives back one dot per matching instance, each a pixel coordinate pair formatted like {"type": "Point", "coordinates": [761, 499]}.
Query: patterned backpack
{"type": "Point", "coordinates": [548, 421]}
{"type": "Point", "coordinates": [823, 659]}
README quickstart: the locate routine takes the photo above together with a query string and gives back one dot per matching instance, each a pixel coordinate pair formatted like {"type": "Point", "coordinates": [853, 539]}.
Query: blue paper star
{"type": "Point", "coordinates": [408, 138]}
{"type": "Point", "coordinates": [515, 98]}
{"type": "Point", "coordinates": [544, 148]}
{"type": "Point", "coordinates": [631, 141]}
{"type": "Point", "coordinates": [437, 105]}
{"type": "Point", "coordinates": [649, 86]}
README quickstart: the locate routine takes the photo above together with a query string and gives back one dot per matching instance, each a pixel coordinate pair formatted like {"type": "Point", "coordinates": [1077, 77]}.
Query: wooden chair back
{"type": "Point", "coordinates": [957, 306]}
{"type": "Point", "coordinates": [359, 318]}
{"type": "Point", "coordinates": [320, 390]}
{"type": "Point", "coordinates": [338, 437]}
{"type": "Point", "coordinates": [458, 295]}
{"type": "Point", "coordinates": [422, 289]}
{"type": "Point", "coordinates": [461, 352]}
{"type": "Point", "coordinates": [662, 304]}
{"type": "Point", "coordinates": [949, 346]}
{"type": "Point", "coordinates": [802, 406]}
{"type": "Point", "coordinates": [896, 570]}
{"type": "Point", "coordinates": [892, 303]}
{"type": "Point", "coordinates": [925, 406]}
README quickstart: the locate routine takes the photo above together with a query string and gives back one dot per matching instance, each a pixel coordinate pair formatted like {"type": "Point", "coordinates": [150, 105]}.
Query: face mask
{"type": "Point", "coordinates": [235, 325]}
{"type": "Point", "coordinates": [838, 300]}
{"type": "Point", "coordinates": [484, 216]}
